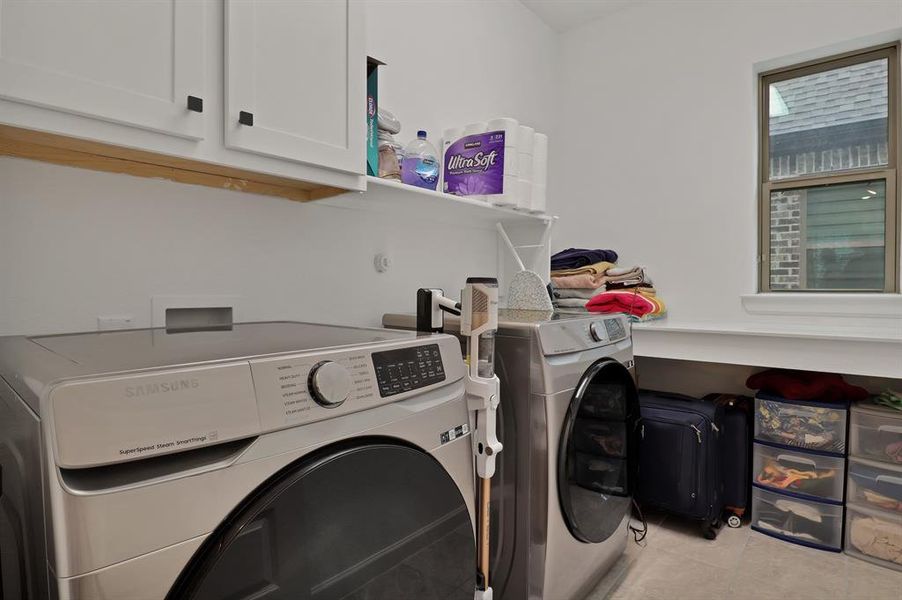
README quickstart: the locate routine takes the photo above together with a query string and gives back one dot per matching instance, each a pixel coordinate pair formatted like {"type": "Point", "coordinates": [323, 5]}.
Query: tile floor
{"type": "Point", "coordinates": [677, 563]}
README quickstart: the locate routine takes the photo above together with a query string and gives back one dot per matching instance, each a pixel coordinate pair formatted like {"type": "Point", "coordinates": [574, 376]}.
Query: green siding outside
{"type": "Point", "coordinates": [844, 235]}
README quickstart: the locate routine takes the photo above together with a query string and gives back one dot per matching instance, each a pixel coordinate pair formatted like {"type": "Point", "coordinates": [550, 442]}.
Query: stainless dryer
{"type": "Point", "coordinates": [562, 492]}
{"type": "Point", "coordinates": [269, 460]}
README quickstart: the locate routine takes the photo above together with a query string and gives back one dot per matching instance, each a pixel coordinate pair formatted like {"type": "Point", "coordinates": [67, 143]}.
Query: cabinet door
{"type": "Point", "coordinates": [133, 62]}
{"type": "Point", "coordinates": [299, 68]}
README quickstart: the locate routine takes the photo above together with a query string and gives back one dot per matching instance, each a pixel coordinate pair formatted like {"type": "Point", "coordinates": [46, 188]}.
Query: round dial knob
{"type": "Point", "coordinates": [329, 383]}
{"type": "Point", "coordinates": [597, 331]}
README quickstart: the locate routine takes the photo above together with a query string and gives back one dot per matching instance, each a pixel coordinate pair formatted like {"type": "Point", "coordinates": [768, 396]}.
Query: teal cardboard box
{"type": "Point", "coordinates": [372, 115]}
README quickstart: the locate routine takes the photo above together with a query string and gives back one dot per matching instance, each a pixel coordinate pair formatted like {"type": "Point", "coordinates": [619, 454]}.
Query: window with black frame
{"type": "Point", "coordinates": [829, 152]}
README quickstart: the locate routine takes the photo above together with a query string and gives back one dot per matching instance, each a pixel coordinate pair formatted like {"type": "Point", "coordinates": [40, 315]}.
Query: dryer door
{"type": "Point", "coordinates": [369, 520]}
{"type": "Point", "coordinates": [597, 454]}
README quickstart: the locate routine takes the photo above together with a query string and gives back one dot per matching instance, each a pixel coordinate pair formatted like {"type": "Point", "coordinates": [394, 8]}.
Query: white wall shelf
{"type": "Point", "coordinates": [385, 195]}
{"type": "Point", "coordinates": [861, 350]}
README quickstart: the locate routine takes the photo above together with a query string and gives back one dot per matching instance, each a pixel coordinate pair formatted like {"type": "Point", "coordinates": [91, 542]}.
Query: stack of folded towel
{"type": "Point", "coordinates": [575, 258]}
{"type": "Point", "coordinates": [589, 281]}
{"type": "Point", "coordinates": [640, 304]}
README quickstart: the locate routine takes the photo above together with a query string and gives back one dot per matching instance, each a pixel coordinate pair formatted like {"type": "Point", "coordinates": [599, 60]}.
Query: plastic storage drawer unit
{"type": "Point", "coordinates": [802, 424]}
{"type": "Point", "coordinates": [876, 433]}
{"type": "Point", "coordinates": [794, 519]}
{"type": "Point", "coordinates": [801, 472]}
{"type": "Point", "coordinates": [875, 536]}
{"type": "Point", "coordinates": [875, 485]}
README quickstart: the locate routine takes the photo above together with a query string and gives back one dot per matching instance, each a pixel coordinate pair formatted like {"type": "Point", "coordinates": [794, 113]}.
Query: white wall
{"type": "Point", "coordinates": [655, 151]}
{"type": "Point", "coordinates": [452, 62]}
{"type": "Point", "coordinates": [76, 244]}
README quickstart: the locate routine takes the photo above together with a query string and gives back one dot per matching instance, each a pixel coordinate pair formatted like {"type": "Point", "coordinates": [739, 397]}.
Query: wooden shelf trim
{"type": "Point", "coordinates": [71, 152]}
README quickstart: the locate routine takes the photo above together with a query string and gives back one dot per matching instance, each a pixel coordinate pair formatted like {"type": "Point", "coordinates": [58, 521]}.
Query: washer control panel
{"type": "Point", "coordinates": [407, 369]}
{"type": "Point", "coordinates": [578, 334]}
{"type": "Point", "coordinates": [308, 387]}
{"type": "Point", "coordinates": [174, 409]}
{"type": "Point", "coordinates": [616, 329]}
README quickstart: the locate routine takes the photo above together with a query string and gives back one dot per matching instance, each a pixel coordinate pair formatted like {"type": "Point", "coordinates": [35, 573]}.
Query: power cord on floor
{"type": "Point", "coordinates": [639, 533]}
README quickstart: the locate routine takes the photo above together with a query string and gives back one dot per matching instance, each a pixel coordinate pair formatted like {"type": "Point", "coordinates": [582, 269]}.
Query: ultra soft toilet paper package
{"type": "Point", "coordinates": [509, 196]}
{"type": "Point", "coordinates": [474, 164]}
{"type": "Point", "coordinates": [498, 161]}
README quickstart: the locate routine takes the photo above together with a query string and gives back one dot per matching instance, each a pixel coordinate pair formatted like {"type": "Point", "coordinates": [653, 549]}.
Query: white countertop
{"type": "Point", "coordinates": [854, 346]}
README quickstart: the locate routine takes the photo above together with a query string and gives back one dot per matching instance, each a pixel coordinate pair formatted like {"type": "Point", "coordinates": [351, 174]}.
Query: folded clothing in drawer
{"type": "Point", "coordinates": [875, 485]}
{"type": "Point", "coordinates": [876, 433]}
{"type": "Point", "coordinates": [606, 475]}
{"type": "Point", "coordinates": [803, 424]}
{"type": "Point", "coordinates": [797, 520]}
{"type": "Point", "coordinates": [801, 472]}
{"type": "Point", "coordinates": [875, 536]}
{"type": "Point", "coordinates": [601, 438]}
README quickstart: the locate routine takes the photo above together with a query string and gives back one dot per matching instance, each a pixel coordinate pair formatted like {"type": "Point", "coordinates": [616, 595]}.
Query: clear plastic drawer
{"type": "Point", "coordinates": [875, 485]}
{"type": "Point", "coordinates": [810, 425]}
{"type": "Point", "coordinates": [876, 433]}
{"type": "Point", "coordinates": [874, 536]}
{"type": "Point", "coordinates": [797, 520]}
{"type": "Point", "coordinates": [799, 472]}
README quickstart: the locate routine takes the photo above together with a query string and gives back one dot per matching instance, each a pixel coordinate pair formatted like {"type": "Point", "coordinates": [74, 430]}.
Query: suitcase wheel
{"type": "Point", "coordinates": [734, 521]}
{"type": "Point", "coordinates": [710, 529]}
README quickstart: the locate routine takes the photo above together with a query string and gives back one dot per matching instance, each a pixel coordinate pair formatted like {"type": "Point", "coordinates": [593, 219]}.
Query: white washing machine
{"type": "Point", "coordinates": [267, 460]}
{"type": "Point", "coordinates": [562, 493]}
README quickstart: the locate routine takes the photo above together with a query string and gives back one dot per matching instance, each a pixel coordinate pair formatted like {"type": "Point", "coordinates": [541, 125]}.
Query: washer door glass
{"type": "Point", "coordinates": [597, 458]}
{"type": "Point", "coordinates": [379, 520]}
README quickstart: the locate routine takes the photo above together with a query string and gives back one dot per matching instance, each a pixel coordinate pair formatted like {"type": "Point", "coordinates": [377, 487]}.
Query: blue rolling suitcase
{"type": "Point", "coordinates": [736, 456]}
{"type": "Point", "coordinates": [680, 457]}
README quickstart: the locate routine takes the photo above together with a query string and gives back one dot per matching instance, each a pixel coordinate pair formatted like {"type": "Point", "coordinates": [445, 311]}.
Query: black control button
{"type": "Point", "coordinates": [407, 369]}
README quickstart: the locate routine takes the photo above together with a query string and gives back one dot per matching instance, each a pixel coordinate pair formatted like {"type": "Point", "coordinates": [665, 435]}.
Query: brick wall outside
{"type": "Point", "coordinates": [850, 157]}
{"type": "Point", "coordinates": [785, 240]}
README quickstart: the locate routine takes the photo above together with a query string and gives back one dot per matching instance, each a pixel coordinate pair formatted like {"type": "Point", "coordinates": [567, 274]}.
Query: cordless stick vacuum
{"type": "Point", "coordinates": [478, 310]}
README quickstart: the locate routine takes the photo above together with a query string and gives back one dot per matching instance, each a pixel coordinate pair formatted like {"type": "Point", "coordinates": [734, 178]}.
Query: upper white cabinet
{"type": "Point", "coordinates": [149, 84]}
{"type": "Point", "coordinates": [295, 74]}
{"type": "Point", "coordinates": [133, 63]}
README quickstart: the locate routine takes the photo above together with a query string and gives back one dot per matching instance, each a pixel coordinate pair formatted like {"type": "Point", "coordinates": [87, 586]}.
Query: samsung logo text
{"type": "Point", "coordinates": [166, 387]}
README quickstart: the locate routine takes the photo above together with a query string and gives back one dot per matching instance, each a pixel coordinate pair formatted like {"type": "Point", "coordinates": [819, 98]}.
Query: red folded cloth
{"type": "Point", "coordinates": [628, 302]}
{"type": "Point", "coordinates": [805, 385]}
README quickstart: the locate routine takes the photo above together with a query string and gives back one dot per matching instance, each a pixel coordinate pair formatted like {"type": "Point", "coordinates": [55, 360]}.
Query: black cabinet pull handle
{"type": "Point", "coordinates": [246, 118]}
{"type": "Point", "coordinates": [195, 104]}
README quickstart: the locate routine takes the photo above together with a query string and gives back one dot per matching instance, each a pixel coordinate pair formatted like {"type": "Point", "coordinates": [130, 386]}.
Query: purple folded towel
{"type": "Point", "coordinates": [574, 258]}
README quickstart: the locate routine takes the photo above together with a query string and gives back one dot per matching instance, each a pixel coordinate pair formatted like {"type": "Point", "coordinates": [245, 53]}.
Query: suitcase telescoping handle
{"type": "Point", "coordinates": [670, 395]}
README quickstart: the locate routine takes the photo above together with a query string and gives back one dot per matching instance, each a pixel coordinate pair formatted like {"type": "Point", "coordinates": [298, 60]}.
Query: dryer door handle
{"type": "Point", "coordinates": [156, 469]}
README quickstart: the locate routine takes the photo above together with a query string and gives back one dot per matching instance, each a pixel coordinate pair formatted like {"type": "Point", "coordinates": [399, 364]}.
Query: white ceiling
{"type": "Point", "coordinates": [561, 15]}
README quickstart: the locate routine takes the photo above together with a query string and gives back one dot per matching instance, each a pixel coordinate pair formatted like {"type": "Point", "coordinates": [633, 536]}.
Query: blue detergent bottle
{"type": "Point", "coordinates": [420, 166]}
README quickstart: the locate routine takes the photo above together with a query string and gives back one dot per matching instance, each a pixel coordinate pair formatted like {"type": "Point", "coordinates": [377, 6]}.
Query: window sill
{"type": "Point", "coordinates": [866, 305]}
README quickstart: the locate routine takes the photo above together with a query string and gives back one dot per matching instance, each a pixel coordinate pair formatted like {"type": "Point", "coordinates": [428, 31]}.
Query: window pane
{"type": "Point", "coordinates": [828, 237]}
{"type": "Point", "coordinates": [829, 121]}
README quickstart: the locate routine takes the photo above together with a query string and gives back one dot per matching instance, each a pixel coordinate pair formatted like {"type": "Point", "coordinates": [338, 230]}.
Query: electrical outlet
{"type": "Point", "coordinates": [111, 322]}
{"type": "Point", "coordinates": [382, 262]}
